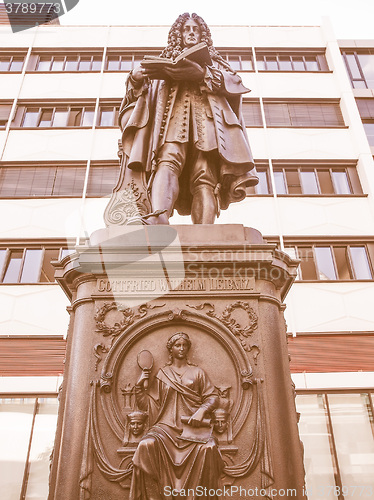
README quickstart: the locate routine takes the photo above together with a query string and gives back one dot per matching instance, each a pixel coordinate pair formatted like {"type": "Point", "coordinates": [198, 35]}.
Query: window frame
{"type": "Point", "coordinates": [24, 247]}
{"type": "Point", "coordinates": [96, 56]}
{"type": "Point", "coordinates": [368, 245]}
{"type": "Point", "coordinates": [318, 54]}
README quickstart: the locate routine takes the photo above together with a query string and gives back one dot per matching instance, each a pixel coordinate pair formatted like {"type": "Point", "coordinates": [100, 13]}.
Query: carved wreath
{"type": "Point", "coordinates": [240, 331]}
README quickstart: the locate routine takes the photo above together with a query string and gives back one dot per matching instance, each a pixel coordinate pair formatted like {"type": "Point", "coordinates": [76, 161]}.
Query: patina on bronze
{"type": "Point", "coordinates": [184, 143]}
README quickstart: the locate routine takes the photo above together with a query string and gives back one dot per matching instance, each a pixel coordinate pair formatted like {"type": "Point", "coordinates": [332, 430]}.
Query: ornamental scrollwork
{"type": "Point", "coordinates": [242, 332]}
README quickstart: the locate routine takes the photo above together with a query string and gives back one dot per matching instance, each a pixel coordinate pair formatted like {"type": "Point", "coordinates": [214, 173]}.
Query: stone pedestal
{"type": "Point", "coordinates": [130, 290]}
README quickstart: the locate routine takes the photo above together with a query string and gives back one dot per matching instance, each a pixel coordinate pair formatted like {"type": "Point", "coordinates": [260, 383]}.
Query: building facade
{"type": "Point", "coordinates": [310, 122]}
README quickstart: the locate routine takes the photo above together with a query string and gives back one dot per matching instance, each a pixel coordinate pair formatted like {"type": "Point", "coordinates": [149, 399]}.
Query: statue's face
{"type": "Point", "coordinates": [191, 34]}
{"type": "Point", "coordinates": [180, 349]}
{"type": "Point", "coordinates": [220, 423]}
{"type": "Point", "coordinates": [136, 426]}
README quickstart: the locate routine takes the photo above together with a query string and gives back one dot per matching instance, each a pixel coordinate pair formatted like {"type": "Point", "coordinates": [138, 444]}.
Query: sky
{"type": "Point", "coordinates": [350, 18]}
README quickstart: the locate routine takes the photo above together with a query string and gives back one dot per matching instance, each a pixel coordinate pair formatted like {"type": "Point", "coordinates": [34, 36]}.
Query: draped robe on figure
{"type": "Point", "coordinates": [161, 456]}
{"type": "Point", "coordinates": [206, 115]}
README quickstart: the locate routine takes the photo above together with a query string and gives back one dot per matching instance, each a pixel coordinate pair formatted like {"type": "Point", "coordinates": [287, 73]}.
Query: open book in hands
{"type": "Point", "coordinates": [198, 53]}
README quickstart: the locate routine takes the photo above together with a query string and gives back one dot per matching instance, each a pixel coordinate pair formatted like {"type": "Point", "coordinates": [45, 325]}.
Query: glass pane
{"type": "Point", "coordinates": [369, 129]}
{"type": "Point", "coordinates": [263, 186]}
{"type": "Point", "coordinates": [106, 117]}
{"type": "Point", "coordinates": [280, 184]}
{"type": "Point", "coordinates": [46, 117]}
{"type": "Point", "coordinates": [234, 62]}
{"type": "Point", "coordinates": [84, 64]}
{"type": "Point", "coordinates": [14, 266]}
{"type": "Point", "coordinates": [311, 63]}
{"type": "Point", "coordinates": [325, 264]}
{"type": "Point", "coordinates": [96, 63]}
{"type": "Point", "coordinates": [71, 64]}
{"type": "Point", "coordinates": [307, 265]}
{"type": "Point", "coordinates": [360, 263]}
{"type": "Point", "coordinates": [285, 63]}
{"type": "Point", "coordinates": [44, 64]}
{"type": "Point", "coordinates": [88, 117]}
{"type": "Point", "coordinates": [309, 184]}
{"type": "Point", "coordinates": [47, 274]}
{"type": "Point", "coordinates": [61, 117]}
{"type": "Point", "coordinates": [271, 63]}
{"type": "Point", "coordinates": [352, 63]}
{"type": "Point", "coordinates": [4, 64]}
{"type": "Point", "coordinates": [298, 63]}
{"type": "Point", "coordinates": [367, 66]}
{"type": "Point", "coordinates": [316, 438]}
{"type": "Point", "coordinates": [342, 263]}
{"type": "Point", "coordinates": [58, 64]}
{"type": "Point", "coordinates": [113, 63]}
{"type": "Point", "coordinates": [31, 266]}
{"type": "Point", "coordinates": [15, 428]}
{"type": "Point", "coordinates": [260, 63]}
{"type": "Point", "coordinates": [31, 117]}
{"type": "Point", "coordinates": [126, 63]}
{"type": "Point", "coordinates": [359, 84]}
{"type": "Point", "coordinates": [352, 423]}
{"type": "Point", "coordinates": [246, 63]}
{"type": "Point", "coordinates": [341, 183]}
{"type": "Point", "coordinates": [16, 64]}
{"type": "Point", "coordinates": [41, 449]}
{"type": "Point", "coordinates": [69, 181]}
{"type": "Point", "coordinates": [101, 180]}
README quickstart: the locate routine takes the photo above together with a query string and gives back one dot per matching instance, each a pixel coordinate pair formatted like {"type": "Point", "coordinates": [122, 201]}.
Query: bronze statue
{"type": "Point", "coordinates": [183, 128]}
{"type": "Point", "coordinates": [170, 456]}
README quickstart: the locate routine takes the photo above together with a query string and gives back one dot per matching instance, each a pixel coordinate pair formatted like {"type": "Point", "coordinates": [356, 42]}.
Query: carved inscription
{"type": "Point", "coordinates": [159, 285]}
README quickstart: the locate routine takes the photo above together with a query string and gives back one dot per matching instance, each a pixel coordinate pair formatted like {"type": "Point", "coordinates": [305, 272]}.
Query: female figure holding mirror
{"type": "Point", "coordinates": [163, 461]}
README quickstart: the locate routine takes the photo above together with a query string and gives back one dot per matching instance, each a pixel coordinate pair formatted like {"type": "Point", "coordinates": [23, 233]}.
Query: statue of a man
{"type": "Point", "coordinates": [183, 128]}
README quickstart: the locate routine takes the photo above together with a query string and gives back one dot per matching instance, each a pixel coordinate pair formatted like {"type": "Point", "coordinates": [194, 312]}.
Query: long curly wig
{"type": "Point", "coordinates": [175, 43]}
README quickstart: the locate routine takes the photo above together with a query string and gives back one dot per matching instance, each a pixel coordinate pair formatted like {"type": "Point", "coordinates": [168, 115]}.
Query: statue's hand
{"type": "Point", "coordinates": [138, 74]}
{"type": "Point", "coordinates": [186, 70]}
{"type": "Point", "coordinates": [144, 379]}
{"type": "Point", "coordinates": [197, 417]}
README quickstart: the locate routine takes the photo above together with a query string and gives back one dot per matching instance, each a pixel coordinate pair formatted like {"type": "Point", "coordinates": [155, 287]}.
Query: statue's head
{"type": "Point", "coordinates": [186, 31]}
{"type": "Point", "coordinates": [220, 420]}
{"type": "Point", "coordinates": [178, 345]}
{"type": "Point", "coordinates": [137, 422]}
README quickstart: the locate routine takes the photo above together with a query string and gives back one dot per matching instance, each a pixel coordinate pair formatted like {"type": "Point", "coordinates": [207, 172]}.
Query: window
{"type": "Point", "coordinates": [337, 433]}
{"type": "Point", "coordinates": [280, 61]}
{"type": "Point", "coordinates": [11, 63]}
{"type": "Point", "coordinates": [27, 433]}
{"type": "Point", "coordinates": [108, 116]}
{"type": "Point", "coordinates": [321, 180]}
{"type": "Point", "coordinates": [303, 114]}
{"type": "Point", "coordinates": [57, 117]}
{"type": "Point", "coordinates": [366, 109]}
{"type": "Point", "coordinates": [239, 61]}
{"type": "Point", "coordinates": [28, 265]}
{"type": "Point", "coordinates": [308, 180]}
{"type": "Point", "coordinates": [128, 61]}
{"type": "Point", "coordinates": [252, 113]}
{"type": "Point", "coordinates": [73, 62]}
{"type": "Point", "coordinates": [327, 262]}
{"type": "Point", "coordinates": [57, 181]}
{"type": "Point", "coordinates": [360, 67]}
{"type": "Point", "coordinates": [4, 114]}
